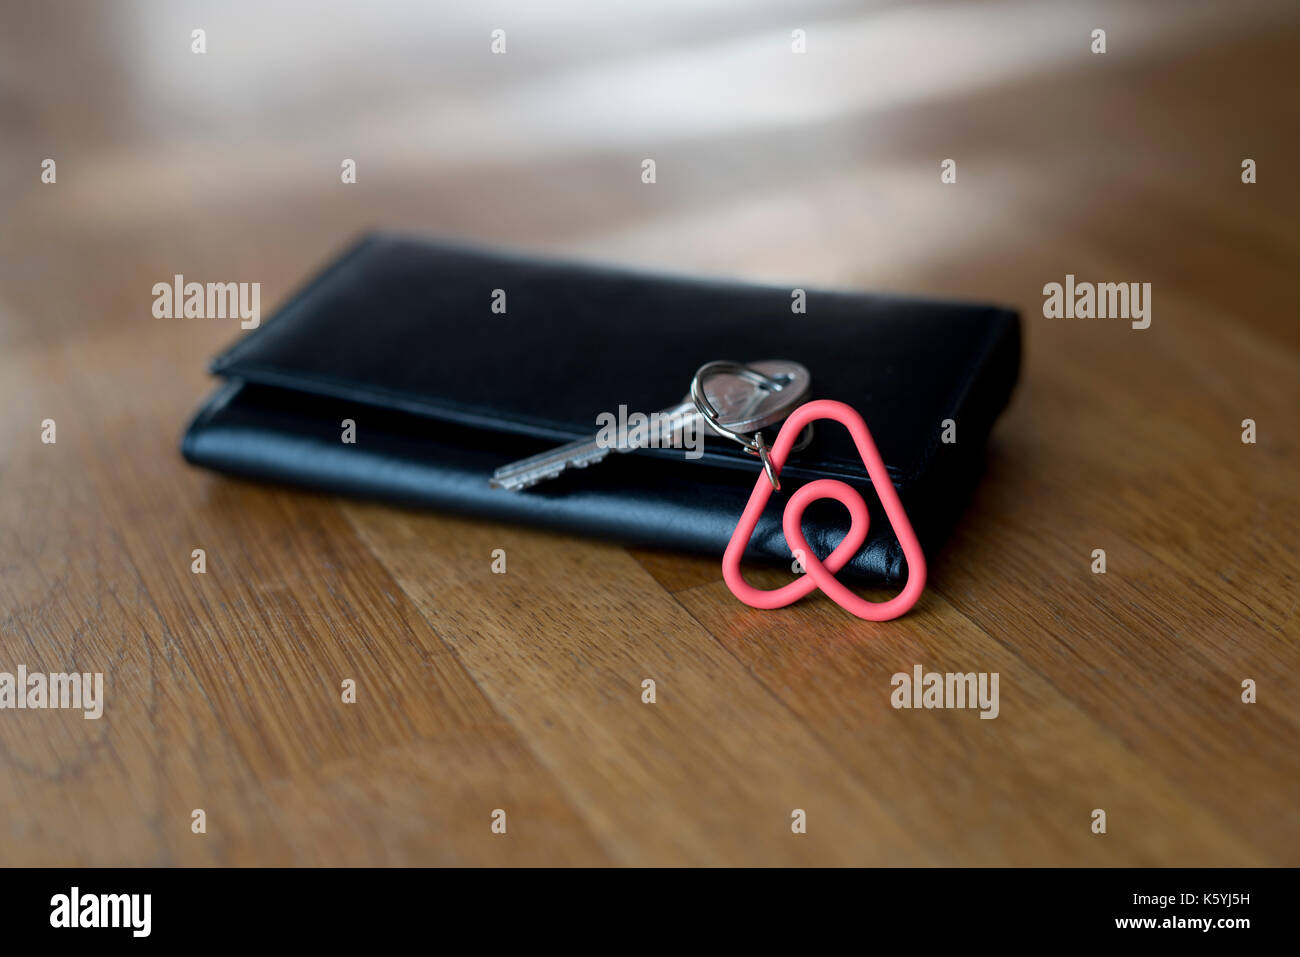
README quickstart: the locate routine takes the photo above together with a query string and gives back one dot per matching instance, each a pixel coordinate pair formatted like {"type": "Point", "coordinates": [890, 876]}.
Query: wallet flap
{"type": "Point", "coordinates": [408, 324]}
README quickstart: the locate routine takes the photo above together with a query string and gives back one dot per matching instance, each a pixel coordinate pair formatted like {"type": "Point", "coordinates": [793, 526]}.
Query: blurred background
{"type": "Point", "coordinates": [821, 167]}
{"type": "Point", "coordinates": [813, 169]}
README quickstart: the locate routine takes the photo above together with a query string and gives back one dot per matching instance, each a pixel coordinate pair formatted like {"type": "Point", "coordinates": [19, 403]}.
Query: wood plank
{"type": "Point", "coordinates": [224, 689]}
{"type": "Point", "coordinates": [949, 773]}
{"type": "Point", "coordinates": [709, 773]}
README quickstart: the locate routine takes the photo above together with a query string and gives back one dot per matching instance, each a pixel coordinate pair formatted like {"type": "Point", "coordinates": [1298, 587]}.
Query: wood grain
{"type": "Point", "coordinates": [523, 691]}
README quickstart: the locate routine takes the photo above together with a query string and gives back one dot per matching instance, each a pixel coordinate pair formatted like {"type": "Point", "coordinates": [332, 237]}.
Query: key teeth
{"type": "Point", "coordinates": [520, 483]}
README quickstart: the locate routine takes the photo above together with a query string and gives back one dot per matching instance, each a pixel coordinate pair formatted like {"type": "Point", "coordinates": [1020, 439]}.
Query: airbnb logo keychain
{"type": "Point", "coordinates": [820, 574]}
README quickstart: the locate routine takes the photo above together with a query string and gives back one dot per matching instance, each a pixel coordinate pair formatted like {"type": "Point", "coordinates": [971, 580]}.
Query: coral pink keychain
{"type": "Point", "coordinates": [819, 574]}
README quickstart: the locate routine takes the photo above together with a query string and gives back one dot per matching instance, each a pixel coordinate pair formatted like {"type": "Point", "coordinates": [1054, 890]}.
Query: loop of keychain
{"type": "Point", "coordinates": [821, 574]}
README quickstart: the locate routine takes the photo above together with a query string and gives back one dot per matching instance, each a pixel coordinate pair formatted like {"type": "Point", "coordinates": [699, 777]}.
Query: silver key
{"type": "Point", "coordinates": [742, 406]}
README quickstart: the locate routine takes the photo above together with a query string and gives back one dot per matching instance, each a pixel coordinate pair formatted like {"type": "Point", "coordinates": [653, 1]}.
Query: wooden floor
{"type": "Point", "coordinates": [522, 691]}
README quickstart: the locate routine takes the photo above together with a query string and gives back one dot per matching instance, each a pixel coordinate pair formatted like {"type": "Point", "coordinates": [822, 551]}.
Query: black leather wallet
{"type": "Point", "coordinates": [399, 336]}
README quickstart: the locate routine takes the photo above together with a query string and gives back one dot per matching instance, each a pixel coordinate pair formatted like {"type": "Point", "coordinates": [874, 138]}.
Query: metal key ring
{"type": "Point", "coordinates": [754, 445]}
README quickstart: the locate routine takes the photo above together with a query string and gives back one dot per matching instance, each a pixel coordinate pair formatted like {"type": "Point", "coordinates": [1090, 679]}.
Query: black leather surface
{"type": "Point", "coordinates": [398, 335]}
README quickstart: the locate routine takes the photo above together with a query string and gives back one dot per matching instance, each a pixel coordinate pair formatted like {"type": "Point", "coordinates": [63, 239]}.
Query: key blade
{"type": "Point", "coordinates": [582, 453]}
{"type": "Point", "coordinates": [547, 465]}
